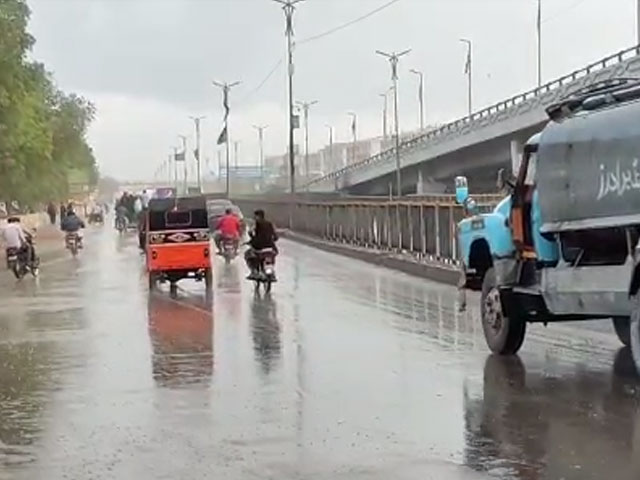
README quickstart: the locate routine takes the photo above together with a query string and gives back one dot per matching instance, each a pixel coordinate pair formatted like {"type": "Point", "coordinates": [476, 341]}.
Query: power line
{"type": "Point", "coordinates": [348, 24]}
{"type": "Point", "coordinates": [263, 82]}
{"type": "Point", "coordinates": [312, 38]}
{"type": "Point", "coordinates": [560, 13]}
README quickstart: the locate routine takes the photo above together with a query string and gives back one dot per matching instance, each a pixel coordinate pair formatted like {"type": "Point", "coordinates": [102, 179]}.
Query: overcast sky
{"type": "Point", "coordinates": [148, 64]}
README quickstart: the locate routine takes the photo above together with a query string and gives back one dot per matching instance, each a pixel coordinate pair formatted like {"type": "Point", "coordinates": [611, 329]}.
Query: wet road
{"type": "Point", "coordinates": [346, 371]}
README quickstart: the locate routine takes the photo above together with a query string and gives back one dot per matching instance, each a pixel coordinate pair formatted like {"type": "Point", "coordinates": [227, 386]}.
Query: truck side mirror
{"type": "Point", "coordinates": [462, 190]}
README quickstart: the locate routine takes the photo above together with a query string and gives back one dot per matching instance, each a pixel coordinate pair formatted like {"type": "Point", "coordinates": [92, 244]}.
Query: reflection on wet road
{"type": "Point", "coordinates": [345, 371]}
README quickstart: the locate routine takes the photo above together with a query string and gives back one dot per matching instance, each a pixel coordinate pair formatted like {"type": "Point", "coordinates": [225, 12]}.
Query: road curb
{"type": "Point", "coordinates": [438, 273]}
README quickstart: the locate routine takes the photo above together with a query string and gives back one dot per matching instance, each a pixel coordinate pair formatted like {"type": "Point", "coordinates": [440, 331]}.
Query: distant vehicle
{"type": "Point", "coordinates": [216, 210]}
{"type": "Point", "coordinates": [177, 241]}
{"type": "Point", "coordinates": [565, 243]}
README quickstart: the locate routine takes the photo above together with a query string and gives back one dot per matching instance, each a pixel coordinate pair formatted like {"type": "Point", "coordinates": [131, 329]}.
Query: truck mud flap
{"type": "Point", "coordinates": [524, 303]}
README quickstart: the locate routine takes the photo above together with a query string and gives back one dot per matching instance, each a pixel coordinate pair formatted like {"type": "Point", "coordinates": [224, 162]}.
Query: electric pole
{"type": "Point", "coordinates": [288, 6]}
{"type": "Point", "coordinates": [354, 135]}
{"type": "Point", "coordinates": [260, 129]}
{"type": "Point", "coordinates": [304, 106]}
{"type": "Point", "coordinates": [224, 135]}
{"type": "Point", "coordinates": [393, 60]}
{"type": "Point", "coordinates": [467, 70]}
{"type": "Point", "coordinates": [196, 121]}
{"type": "Point", "coordinates": [420, 95]}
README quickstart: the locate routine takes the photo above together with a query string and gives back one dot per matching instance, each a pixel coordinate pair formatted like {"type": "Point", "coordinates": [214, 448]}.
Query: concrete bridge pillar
{"type": "Point", "coordinates": [516, 156]}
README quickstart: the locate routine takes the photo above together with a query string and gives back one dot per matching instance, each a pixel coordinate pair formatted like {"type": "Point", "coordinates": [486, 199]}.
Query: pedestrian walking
{"type": "Point", "coordinates": [52, 211]}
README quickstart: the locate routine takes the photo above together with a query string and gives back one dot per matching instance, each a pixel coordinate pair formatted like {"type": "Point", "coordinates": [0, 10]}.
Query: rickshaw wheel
{"type": "Point", "coordinates": [208, 278]}
{"type": "Point", "coordinates": [173, 288]}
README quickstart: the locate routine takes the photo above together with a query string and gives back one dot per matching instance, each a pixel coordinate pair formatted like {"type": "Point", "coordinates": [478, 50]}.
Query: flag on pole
{"type": "Point", "coordinates": [222, 138]}
{"type": "Point", "coordinates": [225, 103]}
{"type": "Point", "coordinates": [467, 65]}
{"type": "Point", "coordinates": [179, 157]}
{"type": "Point", "coordinates": [353, 125]}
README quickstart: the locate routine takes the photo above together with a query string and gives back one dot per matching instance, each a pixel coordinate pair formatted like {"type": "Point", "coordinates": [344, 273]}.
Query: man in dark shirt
{"type": "Point", "coordinates": [263, 236]}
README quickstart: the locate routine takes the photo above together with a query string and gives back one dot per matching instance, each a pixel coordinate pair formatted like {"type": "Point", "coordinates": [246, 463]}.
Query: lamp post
{"type": "Point", "coordinates": [196, 121]}
{"type": "Point", "coordinates": [393, 60]}
{"type": "Point", "coordinates": [467, 70]}
{"type": "Point", "coordinates": [420, 95]}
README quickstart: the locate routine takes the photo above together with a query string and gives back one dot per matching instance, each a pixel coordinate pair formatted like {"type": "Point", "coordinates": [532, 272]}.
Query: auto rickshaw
{"type": "Point", "coordinates": [177, 241]}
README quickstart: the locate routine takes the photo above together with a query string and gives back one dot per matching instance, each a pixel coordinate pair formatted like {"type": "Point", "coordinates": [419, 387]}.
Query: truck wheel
{"type": "Point", "coordinates": [622, 326]}
{"type": "Point", "coordinates": [503, 335]}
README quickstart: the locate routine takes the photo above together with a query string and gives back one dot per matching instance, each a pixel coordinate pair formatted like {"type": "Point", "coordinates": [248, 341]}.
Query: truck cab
{"type": "Point", "coordinates": [562, 243]}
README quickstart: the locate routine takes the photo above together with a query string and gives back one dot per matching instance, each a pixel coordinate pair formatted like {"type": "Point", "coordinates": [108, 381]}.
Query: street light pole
{"type": "Point", "coordinates": [539, 32]}
{"type": "Point", "coordinates": [196, 121]}
{"type": "Point", "coordinates": [235, 155]}
{"type": "Point", "coordinates": [354, 133]}
{"type": "Point", "coordinates": [330, 147]}
{"type": "Point", "coordinates": [261, 129]}
{"type": "Point", "coordinates": [304, 106]}
{"type": "Point", "coordinates": [467, 70]}
{"type": "Point", "coordinates": [288, 6]}
{"type": "Point", "coordinates": [175, 168]}
{"type": "Point", "coordinates": [226, 88]}
{"type": "Point", "coordinates": [184, 161]}
{"type": "Point", "coordinates": [393, 60]}
{"type": "Point", "coordinates": [385, 98]}
{"type": "Point", "coordinates": [420, 96]}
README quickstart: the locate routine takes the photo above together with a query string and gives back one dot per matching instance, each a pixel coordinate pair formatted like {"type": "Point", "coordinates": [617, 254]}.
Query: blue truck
{"type": "Point", "coordinates": [564, 242]}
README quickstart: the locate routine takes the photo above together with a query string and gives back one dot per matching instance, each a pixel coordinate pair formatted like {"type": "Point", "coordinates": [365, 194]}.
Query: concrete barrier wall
{"type": "Point", "coordinates": [424, 229]}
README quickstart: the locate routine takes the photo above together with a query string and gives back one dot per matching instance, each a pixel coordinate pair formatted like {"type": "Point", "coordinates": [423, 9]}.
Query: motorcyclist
{"type": "Point", "coordinates": [15, 236]}
{"type": "Point", "coordinates": [228, 227]}
{"type": "Point", "coordinates": [72, 224]}
{"type": "Point", "coordinates": [262, 236]}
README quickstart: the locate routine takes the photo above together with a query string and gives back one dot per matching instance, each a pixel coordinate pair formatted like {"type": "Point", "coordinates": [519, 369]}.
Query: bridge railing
{"type": "Point", "coordinates": [410, 144]}
{"type": "Point", "coordinates": [421, 227]}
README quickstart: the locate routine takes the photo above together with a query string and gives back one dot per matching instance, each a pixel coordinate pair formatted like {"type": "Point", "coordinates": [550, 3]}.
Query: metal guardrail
{"type": "Point", "coordinates": [496, 108]}
{"type": "Point", "coordinates": [424, 228]}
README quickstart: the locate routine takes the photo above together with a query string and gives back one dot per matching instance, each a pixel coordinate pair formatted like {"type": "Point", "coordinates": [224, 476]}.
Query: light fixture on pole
{"type": "Point", "coordinates": [224, 134]}
{"type": "Point", "coordinates": [467, 70]}
{"type": "Point", "coordinates": [288, 6]}
{"type": "Point", "coordinates": [393, 60]}
{"type": "Point", "coordinates": [304, 106]}
{"type": "Point", "coordinates": [354, 135]}
{"type": "Point", "coordinates": [196, 152]}
{"type": "Point", "coordinates": [420, 95]}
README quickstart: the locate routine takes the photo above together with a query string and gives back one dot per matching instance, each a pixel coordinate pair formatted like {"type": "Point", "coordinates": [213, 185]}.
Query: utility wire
{"type": "Point", "coordinates": [348, 24]}
{"type": "Point", "coordinates": [316, 37]}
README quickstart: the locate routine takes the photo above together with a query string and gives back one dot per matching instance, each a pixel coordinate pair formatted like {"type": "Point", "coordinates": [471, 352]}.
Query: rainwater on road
{"type": "Point", "coordinates": [346, 371]}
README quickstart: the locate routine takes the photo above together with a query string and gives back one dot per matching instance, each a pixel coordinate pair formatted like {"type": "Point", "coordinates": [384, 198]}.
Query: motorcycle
{"type": "Point", "coordinates": [19, 261]}
{"type": "Point", "coordinates": [73, 243]}
{"type": "Point", "coordinates": [96, 218]}
{"type": "Point", "coordinates": [229, 249]}
{"type": "Point", "coordinates": [121, 224]}
{"type": "Point", "coordinates": [266, 273]}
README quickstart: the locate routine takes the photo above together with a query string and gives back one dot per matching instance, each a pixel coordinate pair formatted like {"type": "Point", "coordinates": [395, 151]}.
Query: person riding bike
{"type": "Point", "coordinates": [262, 236]}
{"type": "Point", "coordinates": [72, 224]}
{"type": "Point", "coordinates": [228, 227]}
{"type": "Point", "coordinates": [15, 238]}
